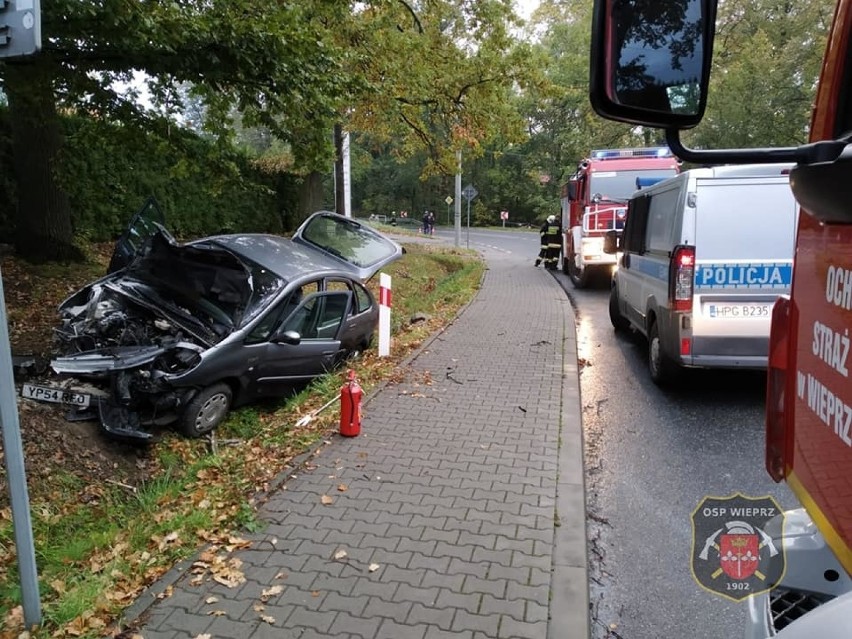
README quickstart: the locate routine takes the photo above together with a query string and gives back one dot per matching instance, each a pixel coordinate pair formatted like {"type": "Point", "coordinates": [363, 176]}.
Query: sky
{"type": "Point", "coordinates": [526, 7]}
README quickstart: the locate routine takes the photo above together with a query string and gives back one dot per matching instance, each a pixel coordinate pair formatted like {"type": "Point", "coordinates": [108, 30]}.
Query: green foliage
{"type": "Point", "coordinates": [766, 63]}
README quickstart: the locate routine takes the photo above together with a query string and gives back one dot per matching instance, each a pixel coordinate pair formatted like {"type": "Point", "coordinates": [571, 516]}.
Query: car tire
{"type": "Point", "coordinates": [579, 278]}
{"type": "Point", "coordinates": [207, 410]}
{"type": "Point", "coordinates": [660, 365]}
{"type": "Point", "coordinates": [619, 322]}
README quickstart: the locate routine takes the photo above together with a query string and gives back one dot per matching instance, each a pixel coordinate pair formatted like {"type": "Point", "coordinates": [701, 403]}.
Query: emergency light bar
{"type": "Point", "coordinates": [645, 182]}
{"type": "Point", "coordinates": [649, 152]}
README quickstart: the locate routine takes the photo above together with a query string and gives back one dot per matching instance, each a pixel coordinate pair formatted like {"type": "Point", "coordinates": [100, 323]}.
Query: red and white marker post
{"type": "Point", "coordinates": [384, 314]}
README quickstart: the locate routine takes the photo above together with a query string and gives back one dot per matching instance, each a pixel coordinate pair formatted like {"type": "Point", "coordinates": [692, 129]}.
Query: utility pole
{"type": "Point", "coordinates": [458, 197]}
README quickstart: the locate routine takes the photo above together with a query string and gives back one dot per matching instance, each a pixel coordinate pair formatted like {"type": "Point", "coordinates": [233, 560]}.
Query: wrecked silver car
{"type": "Point", "coordinates": [181, 333]}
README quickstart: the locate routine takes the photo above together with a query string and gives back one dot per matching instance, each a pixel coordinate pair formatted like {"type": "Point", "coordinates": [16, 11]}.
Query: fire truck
{"type": "Point", "coordinates": [594, 201]}
{"type": "Point", "coordinates": [809, 391]}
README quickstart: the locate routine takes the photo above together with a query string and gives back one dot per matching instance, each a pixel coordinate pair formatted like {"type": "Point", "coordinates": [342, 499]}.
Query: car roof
{"type": "Point", "coordinates": [280, 255]}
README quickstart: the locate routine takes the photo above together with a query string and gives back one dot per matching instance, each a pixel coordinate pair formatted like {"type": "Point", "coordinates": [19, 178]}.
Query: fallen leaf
{"type": "Point", "coordinates": [217, 613]}
{"type": "Point", "coordinates": [326, 500]}
{"type": "Point", "coordinates": [206, 635]}
{"type": "Point", "coordinates": [268, 619]}
{"type": "Point", "coordinates": [373, 567]}
{"type": "Point", "coordinates": [259, 607]}
{"type": "Point", "coordinates": [271, 592]}
{"type": "Point", "coordinates": [315, 593]}
{"type": "Point", "coordinates": [281, 575]}
{"type": "Point", "coordinates": [343, 488]}
{"type": "Point", "coordinates": [211, 600]}
{"type": "Point", "coordinates": [341, 554]}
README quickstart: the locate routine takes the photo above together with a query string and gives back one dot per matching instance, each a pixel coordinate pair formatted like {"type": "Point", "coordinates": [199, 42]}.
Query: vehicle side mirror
{"type": "Point", "coordinates": [287, 337]}
{"type": "Point", "coordinates": [650, 61]}
{"type": "Point", "coordinates": [612, 242]}
{"type": "Point", "coordinates": [572, 190]}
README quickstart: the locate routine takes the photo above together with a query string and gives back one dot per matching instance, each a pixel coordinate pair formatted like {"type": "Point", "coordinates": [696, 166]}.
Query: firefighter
{"type": "Point", "coordinates": [551, 243]}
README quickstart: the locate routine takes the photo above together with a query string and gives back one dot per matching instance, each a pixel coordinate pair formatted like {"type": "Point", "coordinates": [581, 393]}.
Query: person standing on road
{"type": "Point", "coordinates": [431, 215]}
{"type": "Point", "coordinates": [551, 243]}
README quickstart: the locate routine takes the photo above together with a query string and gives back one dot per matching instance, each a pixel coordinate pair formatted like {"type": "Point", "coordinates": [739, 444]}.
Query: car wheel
{"type": "Point", "coordinates": [661, 367]}
{"type": "Point", "coordinates": [207, 410]}
{"type": "Point", "coordinates": [619, 322]}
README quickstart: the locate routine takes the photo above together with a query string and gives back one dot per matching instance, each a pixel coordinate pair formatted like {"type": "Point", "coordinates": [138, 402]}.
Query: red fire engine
{"type": "Point", "coordinates": [809, 391]}
{"type": "Point", "coordinates": [594, 201]}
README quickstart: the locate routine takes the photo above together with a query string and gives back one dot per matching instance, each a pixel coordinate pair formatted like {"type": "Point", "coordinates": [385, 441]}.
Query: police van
{"type": "Point", "coordinates": [703, 258]}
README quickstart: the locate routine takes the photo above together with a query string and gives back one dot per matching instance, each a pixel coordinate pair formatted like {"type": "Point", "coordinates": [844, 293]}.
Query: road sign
{"type": "Point", "coordinates": [504, 215]}
{"type": "Point", "coordinates": [449, 200]}
{"type": "Point", "coordinates": [470, 192]}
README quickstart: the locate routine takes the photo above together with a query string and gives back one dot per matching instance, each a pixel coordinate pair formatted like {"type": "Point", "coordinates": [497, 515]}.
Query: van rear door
{"type": "Point", "coordinates": [745, 232]}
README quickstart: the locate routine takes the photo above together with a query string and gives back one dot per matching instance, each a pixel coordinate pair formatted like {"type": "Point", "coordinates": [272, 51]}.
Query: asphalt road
{"type": "Point", "coordinates": [651, 456]}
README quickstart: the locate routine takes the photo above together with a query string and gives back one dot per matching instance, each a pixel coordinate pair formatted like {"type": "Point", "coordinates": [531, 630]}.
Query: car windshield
{"type": "Point", "coordinates": [620, 185]}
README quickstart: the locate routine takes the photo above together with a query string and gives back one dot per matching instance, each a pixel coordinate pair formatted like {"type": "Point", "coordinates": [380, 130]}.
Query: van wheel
{"type": "Point", "coordinates": [619, 322]}
{"type": "Point", "coordinates": [206, 411]}
{"type": "Point", "coordinates": [579, 276]}
{"type": "Point", "coordinates": [661, 367]}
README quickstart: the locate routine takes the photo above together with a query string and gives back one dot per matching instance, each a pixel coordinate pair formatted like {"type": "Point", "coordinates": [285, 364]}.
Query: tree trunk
{"type": "Point", "coordinates": [43, 224]}
{"type": "Point", "coordinates": [311, 196]}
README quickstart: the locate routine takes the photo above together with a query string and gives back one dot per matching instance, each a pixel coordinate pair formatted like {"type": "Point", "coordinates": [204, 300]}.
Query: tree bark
{"type": "Point", "coordinates": [311, 196]}
{"type": "Point", "coordinates": [43, 222]}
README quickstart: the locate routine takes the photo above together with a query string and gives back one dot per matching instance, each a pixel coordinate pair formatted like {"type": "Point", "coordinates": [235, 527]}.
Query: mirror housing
{"type": "Point", "coordinates": [287, 337]}
{"type": "Point", "coordinates": [572, 190]}
{"type": "Point", "coordinates": [650, 61]}
{"type": "Point", "coordinates": [612, 242]}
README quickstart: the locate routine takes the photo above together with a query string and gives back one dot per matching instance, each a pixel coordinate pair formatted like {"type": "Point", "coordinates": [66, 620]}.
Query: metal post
{"type": "Point", "coordinates": [17, 477]}
{"type": "Point", "coordinates": [468, 222]}
{"type": "Point", "coordinates": [458, 198]}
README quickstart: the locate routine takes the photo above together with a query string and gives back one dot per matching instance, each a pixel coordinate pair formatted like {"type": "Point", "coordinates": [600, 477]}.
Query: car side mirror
{"type": "Point", "coordinates": [650, 61]}
{"type": "Point", "coordinates": [612, 242]}
{"type": "Point", "coordinates": [287, 337]}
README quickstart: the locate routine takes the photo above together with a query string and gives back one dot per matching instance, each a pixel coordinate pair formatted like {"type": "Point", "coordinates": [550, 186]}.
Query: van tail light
{"type": "Point", "coordinates": [681, 278]}
{"type": "Point", "coordinates": [777, 377]}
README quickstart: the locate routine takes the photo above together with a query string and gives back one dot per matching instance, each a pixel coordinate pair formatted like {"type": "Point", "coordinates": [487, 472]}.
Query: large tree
{"type": "Point", "coordinates": [270, 61]}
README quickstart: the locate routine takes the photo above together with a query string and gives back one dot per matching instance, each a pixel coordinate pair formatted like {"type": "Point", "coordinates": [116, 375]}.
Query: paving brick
{"type": "Point", "coordinates": [392, 630]}
{"type": "Point", "coordinates": [357, 626]}
{"type": "Point", "coordinates": [441, 617]}
{"type": "Point", "coordinates": [454, 599]}
{"type": "Point", "coordinates": [509, 627]}
{"type": "Point", "coordinates": [411, 594]}
{"type": "Point", "coordinates": [483, 623]}
{"type": "Point", "coordinates": [302, 618]}
{"type": "Point", "coordinates": [495, 587]}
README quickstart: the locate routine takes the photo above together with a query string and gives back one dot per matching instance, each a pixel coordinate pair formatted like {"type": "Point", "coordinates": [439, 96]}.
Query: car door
{"type": "Point", "coordinates": [363, 314]}
{"type": "Point", "coordinates": [357, 246]}
{"type": "Point", "coordinates": [148, 221]}
{"type": "Point", "coordinates": [629, 276]}
{"type": "Point", "coordinates": [305, 345]}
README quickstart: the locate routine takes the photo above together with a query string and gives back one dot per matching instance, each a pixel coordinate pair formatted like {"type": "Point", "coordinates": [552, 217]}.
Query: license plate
{"type": "Point", "coordinates": [738, 311]}
{"type": "Point", "coordinates": [56, 395]}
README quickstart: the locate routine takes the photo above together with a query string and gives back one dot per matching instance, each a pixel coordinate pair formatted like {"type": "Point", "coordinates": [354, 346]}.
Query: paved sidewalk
{"type": "Point", "coordinates": [463, 514]}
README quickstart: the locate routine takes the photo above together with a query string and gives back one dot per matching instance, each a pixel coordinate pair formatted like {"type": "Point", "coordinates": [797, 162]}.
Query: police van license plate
{"type": "Point", "coordinates": [738, 311]}
{"type": "Point", "coordinates": [55, 395]}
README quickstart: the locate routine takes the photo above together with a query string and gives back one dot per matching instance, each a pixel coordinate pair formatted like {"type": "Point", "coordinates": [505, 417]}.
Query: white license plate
{"type": "Point", "coordinates": [56, 395]}
{"type": "Point", "coordinates": [738, 311]}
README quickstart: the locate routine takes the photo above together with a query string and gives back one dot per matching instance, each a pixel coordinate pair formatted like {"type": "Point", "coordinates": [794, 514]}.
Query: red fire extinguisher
{"type": "Point", "coordinates": [350, 407]}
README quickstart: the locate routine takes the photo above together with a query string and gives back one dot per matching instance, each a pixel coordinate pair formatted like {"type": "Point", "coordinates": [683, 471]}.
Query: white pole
{"type": "Point", "coordinates": [384, 314]}
{"type": "Point", "coordinates": [347, 188]}
{"type": "Point", "coordinates": [458, 198]}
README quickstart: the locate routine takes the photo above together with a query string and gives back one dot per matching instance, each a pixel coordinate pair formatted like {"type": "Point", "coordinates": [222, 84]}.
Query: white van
{"type": "Point", "coordinates": [704, 256]}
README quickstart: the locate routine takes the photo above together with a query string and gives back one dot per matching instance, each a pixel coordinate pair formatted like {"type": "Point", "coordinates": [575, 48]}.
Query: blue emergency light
{"type": "Point", "coordinates": [645, 182]}
{"type": "Point", "coordinates": [649, 152]}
